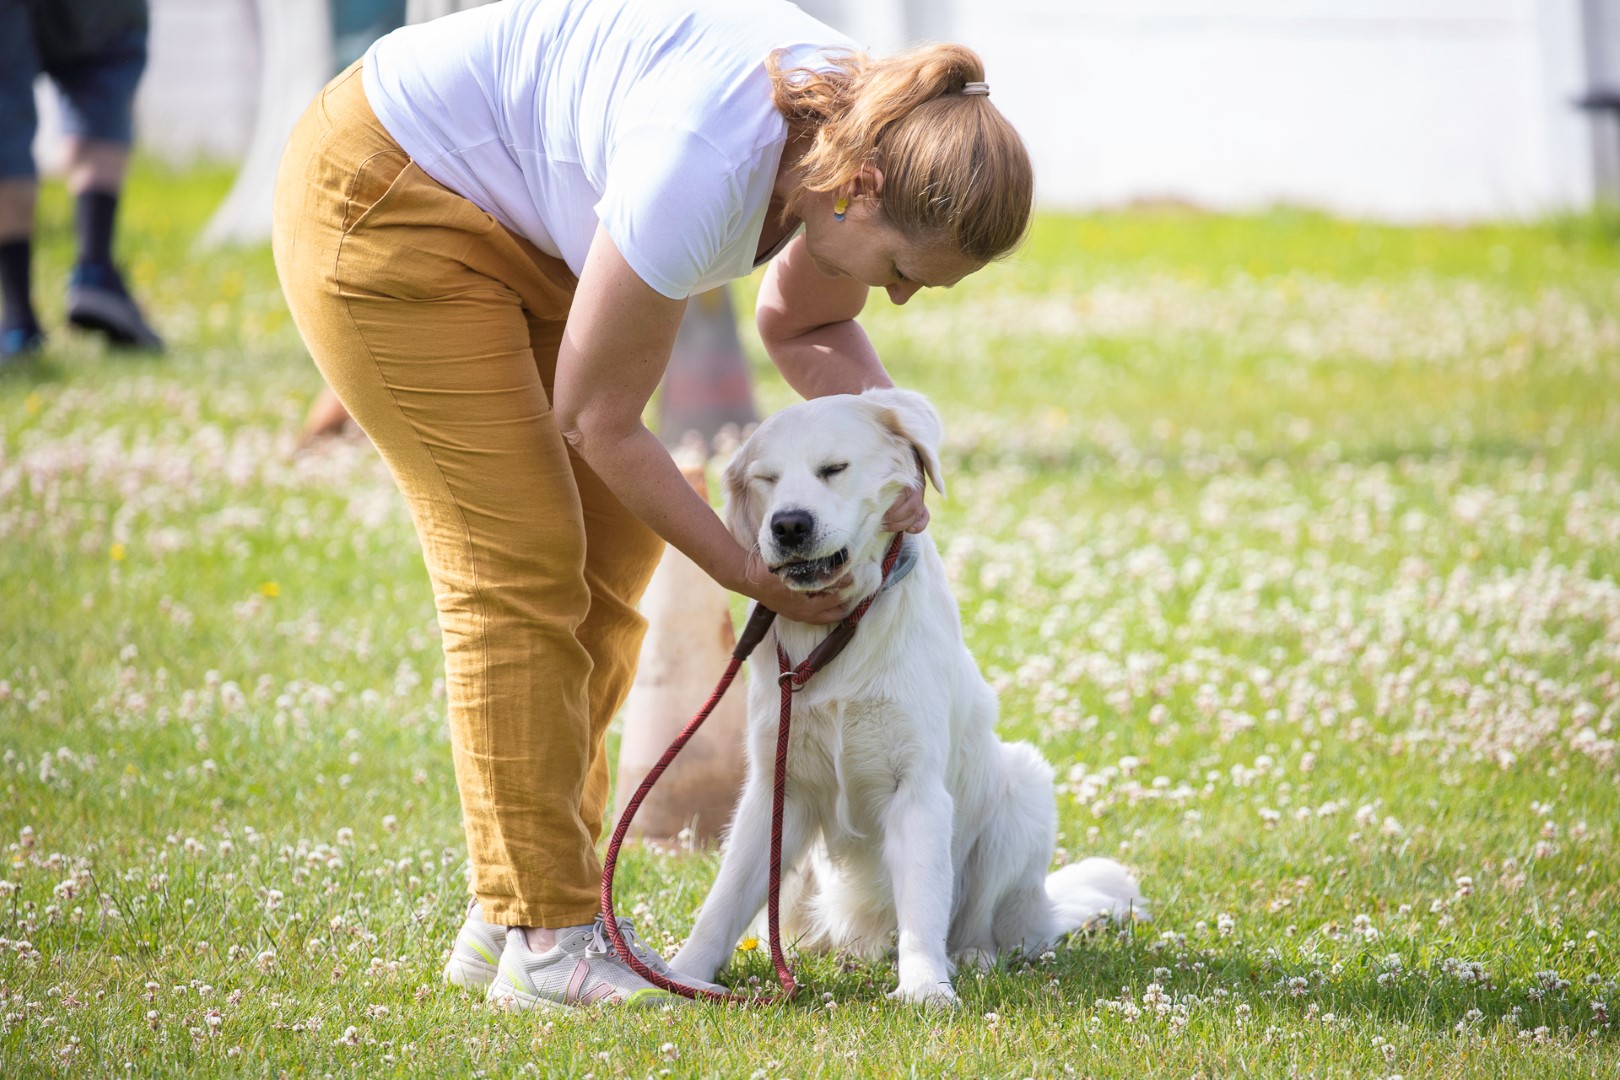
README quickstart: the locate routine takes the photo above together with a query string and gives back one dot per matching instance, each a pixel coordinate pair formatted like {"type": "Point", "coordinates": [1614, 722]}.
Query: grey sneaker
{"type": "Point", "coordinates": [581, 969]}
{"type": "Point", "coordinates": [477, 952]}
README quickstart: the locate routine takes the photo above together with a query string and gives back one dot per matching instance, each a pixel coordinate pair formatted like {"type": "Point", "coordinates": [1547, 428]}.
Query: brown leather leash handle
{"type": "Point", "coordinates": [754, 631]}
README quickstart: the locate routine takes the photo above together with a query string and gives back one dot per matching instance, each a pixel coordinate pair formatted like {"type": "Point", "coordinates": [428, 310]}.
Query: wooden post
{"type": "Point", "coordinates": [706, 386]}
{"type": "Point", "coordinates": [688, 644]}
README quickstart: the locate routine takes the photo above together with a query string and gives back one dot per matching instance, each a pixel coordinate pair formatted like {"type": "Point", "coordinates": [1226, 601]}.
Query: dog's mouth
{"type": "Point", "coordinates": [802, 573]}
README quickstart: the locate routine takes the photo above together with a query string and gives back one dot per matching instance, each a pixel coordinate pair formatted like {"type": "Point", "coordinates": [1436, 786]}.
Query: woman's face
{"type": "Point", "coordinates": [865, 247]}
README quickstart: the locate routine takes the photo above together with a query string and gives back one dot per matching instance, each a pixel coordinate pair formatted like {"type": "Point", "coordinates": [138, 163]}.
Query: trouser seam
{"type": "Point", "coordinates": [486, 728]}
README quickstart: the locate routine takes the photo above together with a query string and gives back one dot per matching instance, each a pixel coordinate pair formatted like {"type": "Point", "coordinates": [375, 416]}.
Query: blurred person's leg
{"type": "Point", "coordinates": [98, 94]}
{"type": "Point", "coordinates": [327, 416]}
{"type": "Point", "coordinates": [19, 64]}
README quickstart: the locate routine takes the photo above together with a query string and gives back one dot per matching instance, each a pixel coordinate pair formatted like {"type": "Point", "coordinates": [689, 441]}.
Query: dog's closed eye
{"type": "Point", "coordinates": [827, 472]}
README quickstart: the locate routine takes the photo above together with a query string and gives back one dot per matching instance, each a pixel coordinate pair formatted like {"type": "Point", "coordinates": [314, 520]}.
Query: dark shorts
{"type": "Point", "coordinates": [96, 84]}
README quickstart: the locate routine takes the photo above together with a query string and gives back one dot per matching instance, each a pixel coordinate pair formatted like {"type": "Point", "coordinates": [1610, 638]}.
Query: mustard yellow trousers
{"type": "Point", "coordinates": [438, 329]}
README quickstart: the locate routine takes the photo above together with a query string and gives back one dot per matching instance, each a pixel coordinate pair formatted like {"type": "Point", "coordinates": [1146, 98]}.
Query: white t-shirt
{"type": "Point", "coordinates": [653, 117]}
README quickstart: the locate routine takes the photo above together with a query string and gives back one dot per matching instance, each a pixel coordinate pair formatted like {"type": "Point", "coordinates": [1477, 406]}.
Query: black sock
{"type": "Point", "coordinates": [94, 212]}
{"type": "Point", "coordinates": [15, 256]}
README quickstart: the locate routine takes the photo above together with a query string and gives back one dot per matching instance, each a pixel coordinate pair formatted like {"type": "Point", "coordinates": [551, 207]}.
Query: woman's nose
{"type": "Point", "coordinates": [901, 291]}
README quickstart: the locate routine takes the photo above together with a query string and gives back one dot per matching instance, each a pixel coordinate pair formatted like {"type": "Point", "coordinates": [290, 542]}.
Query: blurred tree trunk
{"type": "Point", "coordinates": [295, 61]}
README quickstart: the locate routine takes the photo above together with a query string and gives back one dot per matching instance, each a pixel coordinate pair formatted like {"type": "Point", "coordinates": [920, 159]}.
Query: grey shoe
{"type": "Point", "coordinates": [477, 953]}
{"type": "Point", "coordinates": [98, 301]}
{"type": "Point", "coordinates": [581, 969]}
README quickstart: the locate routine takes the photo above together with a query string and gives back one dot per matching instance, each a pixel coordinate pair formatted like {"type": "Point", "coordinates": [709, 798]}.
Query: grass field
{"type": "Point", "coordinates": [1292, 542]}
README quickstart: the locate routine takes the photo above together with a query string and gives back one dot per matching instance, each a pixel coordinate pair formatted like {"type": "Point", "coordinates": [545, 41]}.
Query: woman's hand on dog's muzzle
{"type": "Point", "coordinates": [824, 606]}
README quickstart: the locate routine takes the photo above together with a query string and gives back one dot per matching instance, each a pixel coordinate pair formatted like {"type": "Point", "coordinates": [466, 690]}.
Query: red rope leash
{"type": "Point", "coordinates": [791, 679]}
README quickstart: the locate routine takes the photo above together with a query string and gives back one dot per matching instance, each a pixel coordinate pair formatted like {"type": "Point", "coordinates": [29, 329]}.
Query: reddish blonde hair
{"type": "Point", "coordinates": [954, 170]}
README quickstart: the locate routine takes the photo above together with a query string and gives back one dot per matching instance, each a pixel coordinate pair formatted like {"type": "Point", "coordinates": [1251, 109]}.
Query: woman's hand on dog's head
{"type": "Point", "coordinates": [908, 514]}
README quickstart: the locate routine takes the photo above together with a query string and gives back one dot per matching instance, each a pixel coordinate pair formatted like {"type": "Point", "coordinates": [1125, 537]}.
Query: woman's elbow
{"type": "Point", "coordinates": [589, 431]}
{"type": "Point", "coordinates": [570, 423]}
{"type": "Point", "coordinates": [773, 325]}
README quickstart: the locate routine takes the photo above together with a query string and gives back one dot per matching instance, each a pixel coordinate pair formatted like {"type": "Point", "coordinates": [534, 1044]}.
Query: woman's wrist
{"type": "Point", "coordinates": [748, 575]}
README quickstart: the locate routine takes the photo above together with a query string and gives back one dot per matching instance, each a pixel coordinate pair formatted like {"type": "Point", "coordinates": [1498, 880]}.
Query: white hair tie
{"type": "Point", "coordinates": [974, 88]}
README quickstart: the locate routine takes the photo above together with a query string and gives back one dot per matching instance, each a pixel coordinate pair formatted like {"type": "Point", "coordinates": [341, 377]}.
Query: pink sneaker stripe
{"type": "Point", "coordinates": [576, 981]}
{"type": "Point", "coordinates": [598, 992]}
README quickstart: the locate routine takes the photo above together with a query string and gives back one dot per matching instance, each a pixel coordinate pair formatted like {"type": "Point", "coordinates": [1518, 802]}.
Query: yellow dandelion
{"type": "Point", "coordinates": [116, 552]}
{"type": "Point", "coordinates": [749, 944]}
{"type": "Point", "coordinates": [34, 403]}
{"type": "Point", "coordinates": [270, 588]}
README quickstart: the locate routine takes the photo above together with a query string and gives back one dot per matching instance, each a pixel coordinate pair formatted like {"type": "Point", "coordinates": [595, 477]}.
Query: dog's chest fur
{"type": "Point", "coordinates": [848, 759]}
{"type": "Point", "coordinates": [859, 731]}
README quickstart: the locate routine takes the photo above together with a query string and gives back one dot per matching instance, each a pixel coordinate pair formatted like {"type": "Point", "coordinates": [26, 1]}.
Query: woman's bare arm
{"type": "Point", "coordinates": [616, 346]}
{"type": "Point", "coordinates": [807, 323]}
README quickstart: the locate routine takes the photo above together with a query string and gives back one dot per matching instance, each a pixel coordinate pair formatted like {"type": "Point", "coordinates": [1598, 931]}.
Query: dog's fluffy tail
{"type": "Point", "coordinates": [1090, 890]}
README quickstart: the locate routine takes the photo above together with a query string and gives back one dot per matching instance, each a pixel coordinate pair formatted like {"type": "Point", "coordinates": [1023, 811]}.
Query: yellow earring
{"type": "Point", "coordinates": [840, 208]}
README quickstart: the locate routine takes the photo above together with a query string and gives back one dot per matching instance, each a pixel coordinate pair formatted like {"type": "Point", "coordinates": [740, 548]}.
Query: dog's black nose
{"type": "Point", "coordinates": [792, 527]}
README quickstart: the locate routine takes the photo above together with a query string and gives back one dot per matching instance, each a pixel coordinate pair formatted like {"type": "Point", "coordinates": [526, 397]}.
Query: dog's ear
{"type": "Point", "coordinates": [909, 415]}
{"type": "Point", "coordinates": [742, 510]}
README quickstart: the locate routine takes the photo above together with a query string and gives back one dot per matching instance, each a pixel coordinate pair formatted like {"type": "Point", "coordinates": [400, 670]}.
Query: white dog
{"type": "Point", "coordinates": [904, 812]}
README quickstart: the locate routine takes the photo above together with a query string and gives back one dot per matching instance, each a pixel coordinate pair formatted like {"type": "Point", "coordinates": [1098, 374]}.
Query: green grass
{"type": "Point", "coordinates": [1292, 542]}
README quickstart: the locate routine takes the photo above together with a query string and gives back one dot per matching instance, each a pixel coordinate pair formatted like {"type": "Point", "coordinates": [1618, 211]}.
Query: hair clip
{"type": "Point", "coordinates": [840, 208]}
{"type": "Point", "coordinates": [975, 88]}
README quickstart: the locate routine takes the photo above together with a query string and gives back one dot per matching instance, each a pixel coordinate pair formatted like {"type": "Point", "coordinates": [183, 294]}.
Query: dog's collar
{"type": "Point", "coordinates": [903, 564]}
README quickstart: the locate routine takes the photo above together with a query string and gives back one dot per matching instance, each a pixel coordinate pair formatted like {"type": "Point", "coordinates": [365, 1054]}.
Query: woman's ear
{"type": "Point", "coordinates": [866, 184]}
{"type": "Point", "coordinates": [870, 181]}
{"type": "Point", "coordinates": [908, 415]}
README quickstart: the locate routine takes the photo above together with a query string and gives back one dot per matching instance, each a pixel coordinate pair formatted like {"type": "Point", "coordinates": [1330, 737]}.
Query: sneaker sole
{"type": "Point", "coordinates": [504, 994]}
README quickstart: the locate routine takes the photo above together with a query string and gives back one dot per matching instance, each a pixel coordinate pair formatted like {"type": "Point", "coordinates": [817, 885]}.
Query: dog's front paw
{"type": "Point", "coordinates": [695, 961]}
{"type": "Point", "coordinates": [696, 982]}
{"type": "Point", "coordinates": [933, 994]}
{"type": "Point", "coordinates": [694, 971]}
